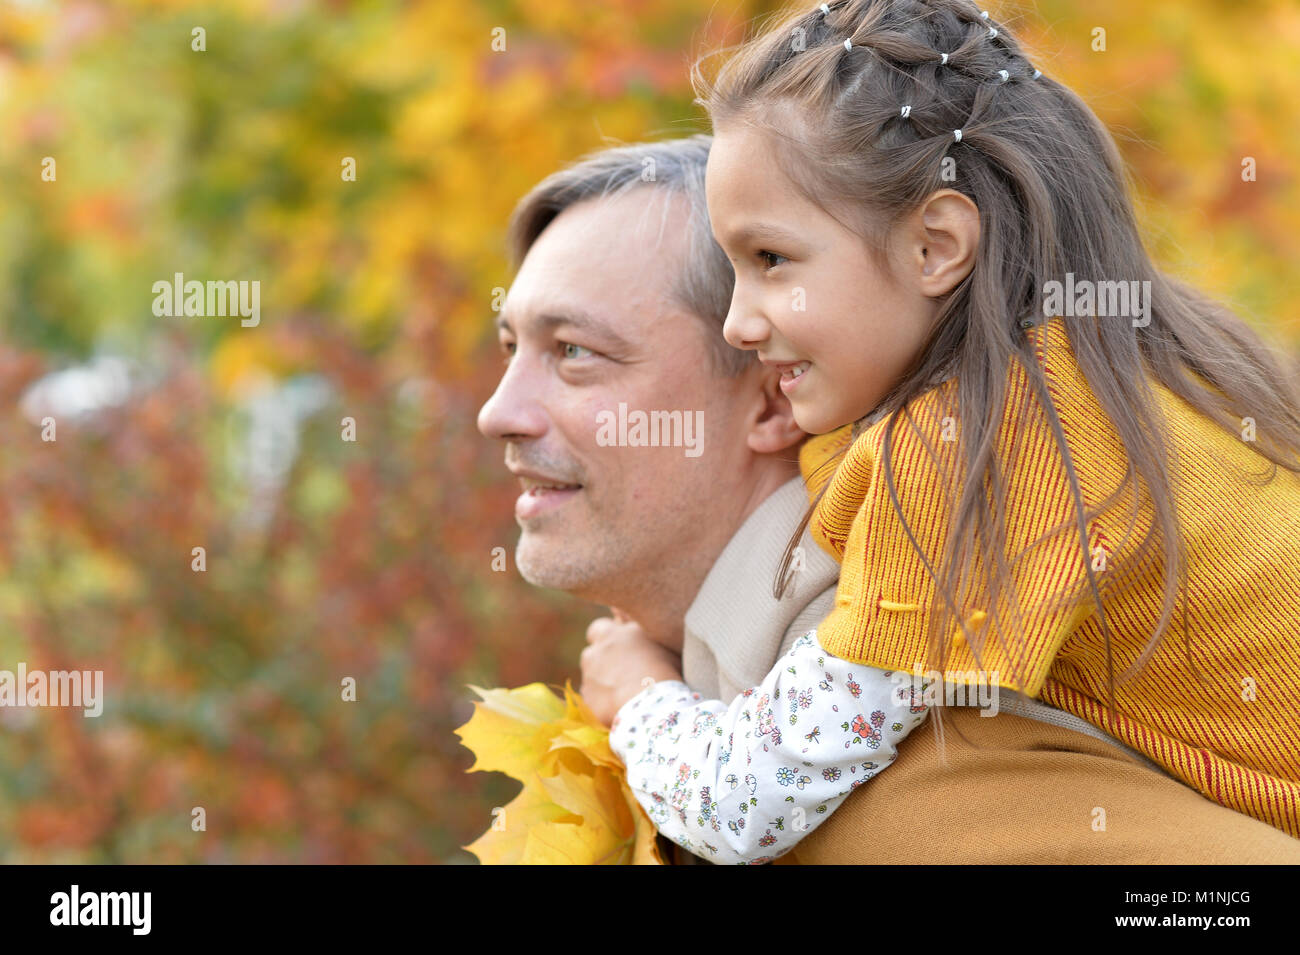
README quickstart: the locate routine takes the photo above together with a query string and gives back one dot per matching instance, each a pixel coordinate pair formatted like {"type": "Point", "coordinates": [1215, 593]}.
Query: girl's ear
{"type": "Point", "coordinates": [943, 240]}
{"type": "Point", "coordinates": [774, 429]}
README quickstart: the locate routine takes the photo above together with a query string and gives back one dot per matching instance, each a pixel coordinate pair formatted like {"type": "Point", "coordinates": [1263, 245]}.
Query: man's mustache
{"type": "Point", "coordinates": [551, 468]}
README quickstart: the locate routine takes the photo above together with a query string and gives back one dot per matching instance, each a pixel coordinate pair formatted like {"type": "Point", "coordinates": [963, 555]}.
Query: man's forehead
{"type": "Point", "coordinates": [611, 263]}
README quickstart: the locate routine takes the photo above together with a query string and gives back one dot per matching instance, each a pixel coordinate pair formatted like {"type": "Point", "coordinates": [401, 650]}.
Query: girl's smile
{"type": "Point", "coordinates": [792, 372]}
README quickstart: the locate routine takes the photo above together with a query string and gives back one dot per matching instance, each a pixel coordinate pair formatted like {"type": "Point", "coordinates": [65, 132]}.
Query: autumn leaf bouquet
{"type": "Point", "coordinates": [575, 807]}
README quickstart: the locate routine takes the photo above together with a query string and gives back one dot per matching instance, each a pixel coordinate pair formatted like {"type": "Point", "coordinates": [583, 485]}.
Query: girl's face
{"type": "Point", "coordinates": [809, 297]}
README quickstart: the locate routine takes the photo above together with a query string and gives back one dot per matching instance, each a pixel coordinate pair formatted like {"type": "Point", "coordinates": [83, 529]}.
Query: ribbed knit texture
{"type": "Point", "coordinates": [1242, 550]}
{"type": "Point", "coordinates": [735, 629]}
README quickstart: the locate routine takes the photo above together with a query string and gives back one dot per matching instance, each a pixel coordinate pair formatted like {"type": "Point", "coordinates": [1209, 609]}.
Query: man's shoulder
{"type": "Point", "coordinates": [736, 616]}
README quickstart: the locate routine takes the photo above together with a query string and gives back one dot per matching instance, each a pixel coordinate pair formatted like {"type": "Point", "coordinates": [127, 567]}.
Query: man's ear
{"type": "Point", "coordinates": [774, 428]}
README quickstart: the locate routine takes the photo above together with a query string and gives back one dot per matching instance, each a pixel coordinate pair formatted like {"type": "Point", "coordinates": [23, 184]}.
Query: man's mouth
{"type": "Point", "coordinates": [540, 496]}
{"type": "Point", "coordinates": [530, 484]}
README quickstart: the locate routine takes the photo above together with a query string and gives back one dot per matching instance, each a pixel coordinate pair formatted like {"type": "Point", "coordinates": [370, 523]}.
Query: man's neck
{"type": "Point", "coordinates": [770, 480]}
{"type": "Point", "coordinates": [660, 599]}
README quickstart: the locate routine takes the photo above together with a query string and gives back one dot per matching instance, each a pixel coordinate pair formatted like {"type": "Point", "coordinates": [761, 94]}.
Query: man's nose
{"type": "Point", "coordinates": [745, 326]}
{"type": "Point", "coordinates": [514, 411]}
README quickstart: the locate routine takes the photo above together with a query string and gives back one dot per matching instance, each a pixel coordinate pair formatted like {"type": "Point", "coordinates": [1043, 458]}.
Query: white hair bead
{"type": "Point", "coordinates": [1037, 73]}
{"type": "Point", "coordinates": [956, 135]}
{"type": "Point", "coordinates": [993, 31]}
{"type": "Point", "coordinates": [907, 111]}
{"type": "Point", "coordinates": [825, 10]}
{"type": "Point", "coordinates": [848, 44]}
{"type": "Point", "coordinates": [1004, 74]}
{"type": "Point", "coordinates": [943, 59]}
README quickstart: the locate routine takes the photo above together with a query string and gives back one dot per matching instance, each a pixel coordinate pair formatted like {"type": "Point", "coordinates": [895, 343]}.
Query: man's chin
{"type": "Point", "coordinates": [545, 565]}
{"type": "Point", "coordinates": [559, 565]}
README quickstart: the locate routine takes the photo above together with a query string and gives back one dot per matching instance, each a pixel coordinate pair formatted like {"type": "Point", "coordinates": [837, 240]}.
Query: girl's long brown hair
{"type": "Point", "coordinates": [1053, 199]}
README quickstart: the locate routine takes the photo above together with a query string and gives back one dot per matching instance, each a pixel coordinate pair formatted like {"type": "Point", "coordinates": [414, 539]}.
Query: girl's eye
{"type": "Point", "coordinates": [771, 259]}
{"type": "Point", "coordinates": [508, 348]}
{"type": "Point", "coordinates": [569, 354]}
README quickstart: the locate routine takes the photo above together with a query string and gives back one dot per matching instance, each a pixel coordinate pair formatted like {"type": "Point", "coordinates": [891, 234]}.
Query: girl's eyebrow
{"type": "Point", "coordinates": [762, 230]}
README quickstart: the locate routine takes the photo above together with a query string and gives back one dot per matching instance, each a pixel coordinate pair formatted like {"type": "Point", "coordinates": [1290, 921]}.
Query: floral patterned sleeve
{"type": "Point", "coordinates": [743, 783]}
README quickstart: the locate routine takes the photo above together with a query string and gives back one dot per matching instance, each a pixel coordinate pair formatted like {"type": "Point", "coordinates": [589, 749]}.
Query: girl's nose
{"type": "Point", "coordinates": [745, 327]}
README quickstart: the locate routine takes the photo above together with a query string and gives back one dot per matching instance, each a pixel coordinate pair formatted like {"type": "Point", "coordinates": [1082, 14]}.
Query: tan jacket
{"type": "Point", "coordinates": [1029, 793]}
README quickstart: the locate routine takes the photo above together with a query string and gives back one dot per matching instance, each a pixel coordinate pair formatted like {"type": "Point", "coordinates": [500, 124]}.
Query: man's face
{"type": "Point", "coordinates": [590, 323]}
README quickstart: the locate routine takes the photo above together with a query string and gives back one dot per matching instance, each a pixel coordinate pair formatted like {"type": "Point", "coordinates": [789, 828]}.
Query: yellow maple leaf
{"type": "Point", "coordinates": [509, 729]}
{"type": "Point", "coordinates": [507, 841]}
{"type": "Point", "coordinates": [575, 807]}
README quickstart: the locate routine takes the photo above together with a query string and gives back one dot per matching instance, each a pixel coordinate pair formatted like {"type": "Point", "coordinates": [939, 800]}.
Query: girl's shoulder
{"type": "Point", "coordinates": [820, 454]}
{"type": "Point", "coordinates": [1053, 435]}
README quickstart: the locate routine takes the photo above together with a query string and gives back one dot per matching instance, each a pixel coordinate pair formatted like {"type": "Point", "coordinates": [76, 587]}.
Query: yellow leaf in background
{"type": "Point", "coordinates": [242, 363]}
{"type": "Point", "coordinates": [576, 807]}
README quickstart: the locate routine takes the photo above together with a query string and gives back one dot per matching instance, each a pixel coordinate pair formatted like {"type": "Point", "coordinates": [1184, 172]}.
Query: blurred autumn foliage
{"type": "Point", "coordinates": [372, 559]}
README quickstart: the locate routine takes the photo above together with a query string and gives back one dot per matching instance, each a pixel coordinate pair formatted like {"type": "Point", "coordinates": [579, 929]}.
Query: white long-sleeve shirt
{"type": "Point", "coordinates": [743, 783]}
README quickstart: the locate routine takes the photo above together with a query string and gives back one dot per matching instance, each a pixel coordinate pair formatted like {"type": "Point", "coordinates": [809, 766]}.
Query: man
{"type": "Point", "coordinates": [659, 471]}
{"type": "Point", "coordinates": [616, 312]}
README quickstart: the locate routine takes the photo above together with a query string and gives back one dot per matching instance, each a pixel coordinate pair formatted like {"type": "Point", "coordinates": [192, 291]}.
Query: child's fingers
{"type": "Point", "coordinates": [598, 629]}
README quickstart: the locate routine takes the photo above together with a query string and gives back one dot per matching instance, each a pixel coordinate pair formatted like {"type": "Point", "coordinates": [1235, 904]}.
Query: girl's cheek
{"type": "Point", "coordinates": [788, 305]}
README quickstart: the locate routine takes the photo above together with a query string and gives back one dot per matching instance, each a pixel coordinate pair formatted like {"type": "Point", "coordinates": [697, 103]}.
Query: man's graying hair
{"type": "Point", "coordinates": [704, 285]}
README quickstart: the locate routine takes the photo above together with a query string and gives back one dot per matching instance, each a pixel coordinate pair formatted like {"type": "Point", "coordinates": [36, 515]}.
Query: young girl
{"type": "Point", "coordinates": [1056, 447]}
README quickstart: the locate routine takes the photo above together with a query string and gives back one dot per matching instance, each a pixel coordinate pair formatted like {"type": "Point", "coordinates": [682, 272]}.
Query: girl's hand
{"type": "Point", "coordinates": [618, 660]}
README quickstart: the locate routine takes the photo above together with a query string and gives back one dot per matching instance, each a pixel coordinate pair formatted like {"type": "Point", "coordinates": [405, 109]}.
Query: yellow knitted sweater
{"type": "Point", "coordinates": [1235, 737]}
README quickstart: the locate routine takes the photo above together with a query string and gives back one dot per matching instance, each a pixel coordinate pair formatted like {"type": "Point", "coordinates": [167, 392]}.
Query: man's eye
{"type": "Point", "coordinates": [771, 259]}
{"type": "Point", "coordinates": [569, 354]}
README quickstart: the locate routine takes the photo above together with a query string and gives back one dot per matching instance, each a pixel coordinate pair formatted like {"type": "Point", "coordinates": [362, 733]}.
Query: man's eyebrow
{"type": "Point", "coordinates": [573, 318]}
